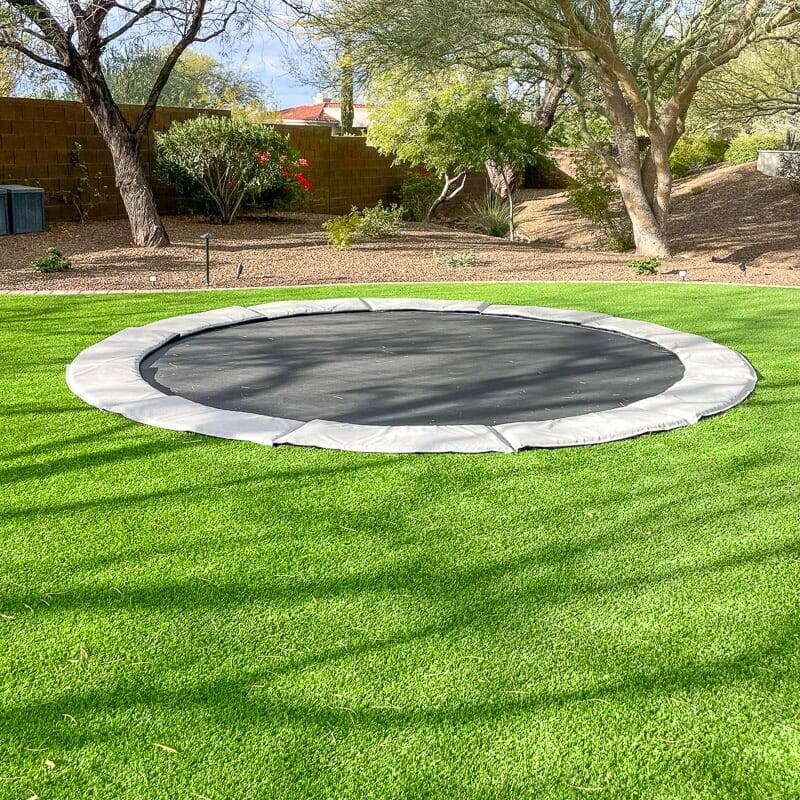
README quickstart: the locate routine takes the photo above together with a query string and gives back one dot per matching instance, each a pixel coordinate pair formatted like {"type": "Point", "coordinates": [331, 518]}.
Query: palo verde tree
{"type": "Point", "coordinates": [761, 88]}
{"type": "Point", "coordinates": [72, 38]}
{"type": "Point", "coordinates": [450, 125]}
{"type": "Point", "coordinates": [635, 63]}
{"type": "Point", "coordinates": [197, 80]}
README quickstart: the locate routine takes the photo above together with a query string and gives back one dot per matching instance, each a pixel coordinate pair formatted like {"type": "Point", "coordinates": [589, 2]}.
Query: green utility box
{"type": "Point", "coordinates": [5, 221]}
{"type": "Point", "coordinates": [24, 207]}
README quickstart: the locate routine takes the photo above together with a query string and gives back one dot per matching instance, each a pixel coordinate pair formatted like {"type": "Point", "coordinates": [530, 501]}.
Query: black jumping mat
{"type": "Point", "coordinates": [411, 368]}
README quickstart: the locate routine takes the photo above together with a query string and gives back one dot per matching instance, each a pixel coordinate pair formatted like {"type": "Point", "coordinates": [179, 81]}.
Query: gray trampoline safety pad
{"type": "Point", "coordinates": [108, 375]}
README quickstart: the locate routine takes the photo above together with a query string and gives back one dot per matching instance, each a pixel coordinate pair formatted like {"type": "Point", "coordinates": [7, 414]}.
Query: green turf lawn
{"type": "Point", "coordinates": [185, 617]}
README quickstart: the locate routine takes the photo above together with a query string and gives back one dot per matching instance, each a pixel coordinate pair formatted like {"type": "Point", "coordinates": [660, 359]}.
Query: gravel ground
{"type": "Point", "coordinates": [714, 232]}
{"type": "Point", "coordinates": [731, 214]}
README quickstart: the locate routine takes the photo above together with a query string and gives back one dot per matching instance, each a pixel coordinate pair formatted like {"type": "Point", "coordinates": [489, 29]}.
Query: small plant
{"type": "Point", "coordinates": [464, 259]}
{"type": "Point", "coordinates": [491, 214]}
{"type": "Point", "coordinates": [86, 192]}
{"type": "Point", "coordinates": [695, 190]}
{"type": "Point", "coordinates": [343, 231]}
{"type": "Point", "coordinates": [380, 221]}
{"type": "Point", "coordinates": [418, 192]}
{"type": "Point", "coordinates": [595, 196]}
{"type": "Point", "coordinates": [371, 224]}
{"type": "Point", "coordinates": [53, 261]}
{"type": "Point", "coordinates": [619, 235]}
{"type": "Point", "coordinates": [645, 266]}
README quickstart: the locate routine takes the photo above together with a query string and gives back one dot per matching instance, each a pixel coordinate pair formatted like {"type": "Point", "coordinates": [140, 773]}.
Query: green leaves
{"type": "Point", "coordinates": [450, 123]}
{"type": "Point", "coordinates": [371, 225]}
{"type": "Point", "coordinates": [227, 160]}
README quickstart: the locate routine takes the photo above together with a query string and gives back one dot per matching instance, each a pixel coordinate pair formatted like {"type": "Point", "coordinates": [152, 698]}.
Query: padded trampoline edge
{"type": "Point", "coordinates": [106, 375]}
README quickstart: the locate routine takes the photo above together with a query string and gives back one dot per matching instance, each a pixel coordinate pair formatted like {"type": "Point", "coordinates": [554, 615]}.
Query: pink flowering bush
{"type": "Point", "coordinates": [220, 165]}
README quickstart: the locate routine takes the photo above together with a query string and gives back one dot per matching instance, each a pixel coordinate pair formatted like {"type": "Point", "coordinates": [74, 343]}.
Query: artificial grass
{"type": "Point", "coordinates": [184, 617]}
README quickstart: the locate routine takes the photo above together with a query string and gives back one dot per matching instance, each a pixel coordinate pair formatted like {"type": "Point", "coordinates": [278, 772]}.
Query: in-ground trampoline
{"type": "Point", "coordinates": [403, 375]}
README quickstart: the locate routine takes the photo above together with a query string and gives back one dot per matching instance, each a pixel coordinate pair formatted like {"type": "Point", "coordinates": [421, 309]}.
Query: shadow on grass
{"type": "Point", "coordinates": [447, 598]}
{"type": "Point", "coordinates": [237, 699]}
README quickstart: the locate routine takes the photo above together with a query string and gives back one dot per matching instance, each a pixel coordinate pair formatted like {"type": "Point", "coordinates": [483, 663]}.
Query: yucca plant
{"type": "Point", "coordinates": [492, 215]}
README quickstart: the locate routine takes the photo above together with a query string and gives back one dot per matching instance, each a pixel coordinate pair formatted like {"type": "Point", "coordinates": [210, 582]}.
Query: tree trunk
{"type": "Point", "coordinates": [501, 179]}
{"type": "Point", "coordinates": [510, 197]}
{"type": "Point", "coordinates": [452, 186]}
{"type": "Point", "coordinates": [137, 196]}
{"type": "Point", "coordinates": [645, 191]}
{"type": "Point", "coordinates": [347, 113]}
{"type": "Point", "coordinates": [545, 115]}
{"type": "Point", "coordinates": [649, 233]}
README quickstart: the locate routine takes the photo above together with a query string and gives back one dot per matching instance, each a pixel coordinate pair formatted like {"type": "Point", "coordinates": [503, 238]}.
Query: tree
{"type": "Point", "coordinates": [324, 59]}
{"type": "Point", "coordinates": [636, 63]}
{"type": "Point", "coordinates": [12, 63]}
{"type": "Point", "coordinates": [761, 87]}
{"type": "Point", "coordinates": [73, 37]}
{"type": "Point", "coordinates": [450, 125]}
{"type": "Point", "coordinates": [197, 80]}
{"type": "Point", "coordinates": [347, 111]}
{"type": "Point", "coordinates": [10, 71]}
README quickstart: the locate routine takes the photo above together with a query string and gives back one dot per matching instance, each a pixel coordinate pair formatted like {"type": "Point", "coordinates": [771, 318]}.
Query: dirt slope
{"type": "Point", "coordinates": [740, 215]}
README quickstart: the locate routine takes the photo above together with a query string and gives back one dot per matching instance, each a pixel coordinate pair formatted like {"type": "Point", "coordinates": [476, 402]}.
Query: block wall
{"type": "Point", "coordinates": [37, 137]}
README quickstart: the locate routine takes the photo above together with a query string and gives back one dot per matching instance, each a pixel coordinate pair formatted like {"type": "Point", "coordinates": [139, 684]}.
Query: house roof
{"type": "Point", "coordinates": [326, 112]}
{"type": "Point", "coordinates": [310, 113]}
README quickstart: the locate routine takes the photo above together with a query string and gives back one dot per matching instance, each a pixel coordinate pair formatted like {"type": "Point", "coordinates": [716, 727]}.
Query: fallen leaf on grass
{"type": "Point", "coordinates": [81, 656]}
{"type": "Point", "coordinates": [165, 748]}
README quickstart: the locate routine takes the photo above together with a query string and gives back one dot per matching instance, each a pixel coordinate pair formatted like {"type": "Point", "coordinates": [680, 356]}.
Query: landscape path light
{"type": "Point", "coordinates": [207, 237]}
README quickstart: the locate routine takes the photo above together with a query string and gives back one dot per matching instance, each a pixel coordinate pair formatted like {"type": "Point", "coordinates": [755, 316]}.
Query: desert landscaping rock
{"type": "Point", "coordinates": [742, 216]}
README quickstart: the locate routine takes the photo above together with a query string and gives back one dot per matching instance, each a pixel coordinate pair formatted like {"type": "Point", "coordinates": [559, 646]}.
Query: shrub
{"type": "Point", "coordinates": [466, 258]}
{"type": "Point", "coordinates": [595, 196]}
{"type": "Point", "coordinates": [695, 152]}
{"type": "Point", "coordinates": [371, 224]}
{"type": "Point", "coordinates": [380, 222]}
{"type": "Point", "coordinates": [219, 164]}
{"type": "Point", "coordinates": [417, 193]}
{"type": "Point", "coordinates": [789, 168]}
{"type": "Point", "coordinates": [343, 231]}
{"type": "Point", "coordinates": [645, 266]}
{"type": "Point", "coordinates": [491, 214]}
{"type": "Point", "coordinates": [619, 235]}
{"type": "Point", "coordinates": [745, 148]}
{"type": "Point", "coordinates": [53, 261]}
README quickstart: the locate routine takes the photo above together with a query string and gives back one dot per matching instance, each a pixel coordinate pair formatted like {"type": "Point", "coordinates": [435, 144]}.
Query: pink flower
{"type": "Point", "coordinates": [302, 162]}
{"type": "Point", "coordinates": [262, 158]}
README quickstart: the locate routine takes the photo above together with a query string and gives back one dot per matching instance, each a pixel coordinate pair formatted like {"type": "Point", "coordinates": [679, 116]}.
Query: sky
{"type": "Point", "coordinates": [264, 56]}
